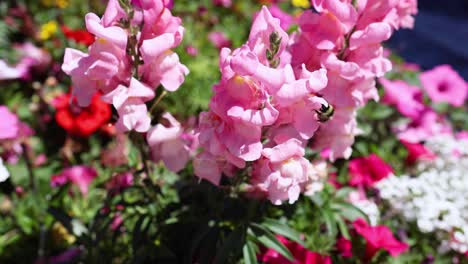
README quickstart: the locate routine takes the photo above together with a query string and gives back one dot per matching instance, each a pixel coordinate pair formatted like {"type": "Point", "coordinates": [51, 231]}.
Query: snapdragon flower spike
{"type": "Point", "coordinates": [345, 37]}
{"type": "Point", "coordinates": [261, 102]}
{"type": "Point", "coordinates": [130, 58]}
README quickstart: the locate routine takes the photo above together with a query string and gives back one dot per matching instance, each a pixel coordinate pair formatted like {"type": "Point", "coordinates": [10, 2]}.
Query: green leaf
{"type": "Point", "coordinates": [349, 211]}
{"type": "Point", "coordinates": [342, 226]}
{"type": "Point", "coordinates": [330, 222]}
{"type": "Point", "coordinates": [230, 245]}
{"type": "Point", "coordinates": [282, 229]}
{"type": "Point", "coordinates": [269, 240]}
{"type": "Point", "coordinates": [343, 193]}
{"type": "Point", "coordinates": [249, 253]}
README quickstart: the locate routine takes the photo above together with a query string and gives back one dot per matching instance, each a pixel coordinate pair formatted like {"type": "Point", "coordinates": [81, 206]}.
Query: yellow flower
{"type": "Point", "coordinates": [47, 2]}
{"type": "Point", "coordinates": [48, 30]}
{"type": "Point", "coordinates": [301, 3]}
{"type": "Point", "coordinates": [60, 234]}
{"type": "Point", "coordinates": [62, 3]}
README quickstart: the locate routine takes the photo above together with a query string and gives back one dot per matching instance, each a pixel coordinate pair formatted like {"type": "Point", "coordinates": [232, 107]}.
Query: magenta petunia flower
{"type": "Point", "coordinates": [366, 171]}
{"type": "Point", "coordinates": [417, 152]}
{"type": "Point", "coordinates": [407, 98]}
{"type": "Point", "coordinates": [301, 255]}
{"type": "Point", "coordinates": [378, 237]}
{"type": "Point", "coordinates": [443, 84]}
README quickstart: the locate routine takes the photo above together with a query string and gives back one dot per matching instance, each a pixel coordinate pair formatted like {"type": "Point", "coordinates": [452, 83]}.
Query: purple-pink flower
{"type": "Point", "coordinates": [443, 84]}
{"type": "Point", "coordinates": [10, 125]}
{"type": "Point", "coordinates": [416, 152]}
{"type": "Point", "coordinates": [407, 98]}
{"type": "Point", "coordinates": [219, 39]}
{"type": "Point", "coordinates": [427, 125]}
{"type": "Point", "coordinates": [119, 182]}
{"type": "Point", "coordinates": [79, 175]}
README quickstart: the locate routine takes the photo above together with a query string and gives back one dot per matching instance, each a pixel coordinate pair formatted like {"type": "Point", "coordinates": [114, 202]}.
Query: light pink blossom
{"type": "Point", "coordinates": [130, 104]}
{"type": "Point", "coordinates": [167, 144]}
{"type": "Point", "coordinates": [282, 173]}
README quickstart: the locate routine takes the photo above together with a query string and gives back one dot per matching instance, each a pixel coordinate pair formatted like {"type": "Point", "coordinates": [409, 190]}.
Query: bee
{"type": "Point", "coordinates": [325, 112]}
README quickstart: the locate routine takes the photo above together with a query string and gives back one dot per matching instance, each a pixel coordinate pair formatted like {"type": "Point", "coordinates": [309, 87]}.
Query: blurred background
{"type": "Point", "coordinates": [440, 36]}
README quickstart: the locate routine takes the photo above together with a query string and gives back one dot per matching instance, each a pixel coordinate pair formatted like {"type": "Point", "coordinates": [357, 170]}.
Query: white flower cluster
{"type": "Point", "coordinates": [370, 209]}
{"type": "Point", "coordinates": [437, 199]}
{"type": "Point", "coordinates": [4, 174]}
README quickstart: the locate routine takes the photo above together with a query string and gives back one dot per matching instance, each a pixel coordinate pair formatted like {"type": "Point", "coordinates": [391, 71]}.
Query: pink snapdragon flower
{"type": "Point", "coordinates": [210, 167]}
{"type": "Point", "coordinates": [130, 104]}
{"type": "Point", "coordinates": [366, 171]}
{"type": "Point", "coordinates": [345, 39]}
{"type": "Point", "coordinates": [337, 135]}
{"type": "Point", "coordinates": [407, 98]}
{"type": "Point", "coordinates": [396, 13]}
{"type": "Point", "coordinates": [286, 20]}
{"type": "Point", "coordinates": [443, 84]}
{"type": "Point", "coordinates": [169, 144]}
{"type": "Point", "coordinates": [301, 255]}
{"type": "Point", "coordinates": [282, 173]}
{"type": "Point", "coordinates": [79, 175]}
{"type": "Point", "coordinates": [260, 96]}
{"type": "Point", "coordinates": [405, 10]}
{"type": "Point", "coordinates": [378, 237]}
{"type": "Point", "coordinates": [161, 64]}
{"type": "Point", "coordinates": [102, 69]}
{"type": "Point", "coordinates": [108, 68]}
{"type": "Point", "coordinates": [263, 26]}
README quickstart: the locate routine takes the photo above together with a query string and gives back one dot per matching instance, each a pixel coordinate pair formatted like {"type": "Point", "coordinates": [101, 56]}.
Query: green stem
{"type": "Point", "coordinates": [156, 102]}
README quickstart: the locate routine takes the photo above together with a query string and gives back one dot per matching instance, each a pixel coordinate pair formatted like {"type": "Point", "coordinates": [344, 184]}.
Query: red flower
{"type": "Point", "coordinates": [416, 152]}
{"type": "Point", "coordinates": [78, 35]}
{"type": "Point", "coordinates": [366, 171]}
{"type": "Point", "coordinates": [301, 255]}
{"type": "Point", "coordinates": [79, 121]}
{"type": "Point", "coordinates": [344, 246]}
{"type": "Point", "coordinates": [378, 237]}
